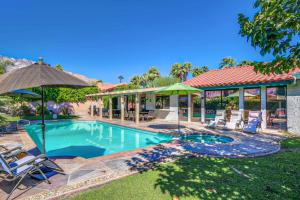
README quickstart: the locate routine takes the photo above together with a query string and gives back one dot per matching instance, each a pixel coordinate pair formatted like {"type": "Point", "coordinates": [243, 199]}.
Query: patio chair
{"type": "Point", "coordinates": [254, 122]}
{"type": "Point", "coordinates": [235, 120]}
{"type": "Point", "coordinates": [219, 119]}
{"type": "Point", "coordinates": [9, 128]}
{"type": "Point", "coordinates": [150, 115]}
{"type": "Point", "coordinates": [131, 115]}
{"type": "Point", "coordinates": [21, 168]}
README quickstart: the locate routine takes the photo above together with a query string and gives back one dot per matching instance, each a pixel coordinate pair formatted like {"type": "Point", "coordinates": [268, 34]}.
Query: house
{"type": "Point", "coordinates": [235, 88]}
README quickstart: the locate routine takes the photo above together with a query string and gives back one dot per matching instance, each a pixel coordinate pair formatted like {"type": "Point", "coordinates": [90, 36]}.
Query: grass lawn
{"type": "Point", "coordinates": [271, 177]}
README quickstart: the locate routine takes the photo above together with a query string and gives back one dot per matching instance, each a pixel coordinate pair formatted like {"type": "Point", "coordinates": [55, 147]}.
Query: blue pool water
{"type": "Point", "coordinates": [208, 139]}
{"type": "Point", "coordinates": [90, 139]}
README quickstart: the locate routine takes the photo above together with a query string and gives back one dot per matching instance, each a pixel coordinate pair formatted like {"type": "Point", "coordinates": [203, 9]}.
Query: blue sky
{"type": "Point", "coordinates": [105, 39]}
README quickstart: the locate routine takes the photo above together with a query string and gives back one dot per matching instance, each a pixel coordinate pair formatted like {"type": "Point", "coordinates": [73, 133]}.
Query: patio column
{"type": "Point", "coordinates": [92, 109]}
{"type": "Point", "coordinates": [122, 107]}
{"type": "Point", "coordinates": [189, 108]}
{"type": "Point", "coordinates": [241, 101]}
{"type": "Point", "coordinates": [137, 108]}
{"type": "Point", "coordinates": [100, 102]}
{"type": "Point", "coordinates": [110, 107]}
{"type": "Point", "coordinates": [202, 99]}
{"type": "Point", "coordinates": [263, 107]}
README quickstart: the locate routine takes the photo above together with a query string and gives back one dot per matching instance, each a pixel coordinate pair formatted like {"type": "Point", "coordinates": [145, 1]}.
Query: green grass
{"type": "Point", "coordinates": [271, 177]}
{"type": "Point", "coordinates": [291, 143]}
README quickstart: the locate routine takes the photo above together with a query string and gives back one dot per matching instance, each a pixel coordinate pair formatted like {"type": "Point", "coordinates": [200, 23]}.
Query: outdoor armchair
{"type": "Point", "coordinates": [254, 122]}
{"type": "Point", "coordinates": [235, 120]}
{"type": "Point", "coordinates": [219, 119]}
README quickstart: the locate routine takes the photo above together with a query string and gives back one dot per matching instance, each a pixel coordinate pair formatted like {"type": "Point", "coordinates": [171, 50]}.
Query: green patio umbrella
{"type": "Point", "coordinates": [178, 89]}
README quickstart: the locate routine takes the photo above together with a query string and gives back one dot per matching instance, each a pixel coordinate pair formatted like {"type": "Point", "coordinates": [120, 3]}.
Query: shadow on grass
{"type": "Point", "coordinates": [189, 177]}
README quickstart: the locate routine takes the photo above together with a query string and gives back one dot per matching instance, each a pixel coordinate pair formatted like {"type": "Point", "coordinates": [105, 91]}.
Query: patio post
{"type": "Point", "coordinates": [100, 107]}
{"type": "Point", "coordinates": [202, 98]}
{"type": "Point", "coordinates": [92, 108]}
{"type": "Point", "coordinates": [189, 108]}
{"type": "Point", "coordinates": [137, 108]}
{"type": "Point", "coordinates": [241, 101]}
{"type": "Point", "coordinates": [110, 107]}
{"type": "Point", "coordinates": [122, 107]}
{"type": "Point", "coordinates": [264, 107]}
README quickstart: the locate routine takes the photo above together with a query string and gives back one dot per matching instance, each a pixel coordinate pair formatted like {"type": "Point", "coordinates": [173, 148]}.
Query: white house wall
{"type": "Point", "coordinates": [293, 108]}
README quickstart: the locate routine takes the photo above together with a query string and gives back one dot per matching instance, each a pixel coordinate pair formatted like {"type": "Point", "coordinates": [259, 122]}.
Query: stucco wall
{"type": "Point", "coordinates": [293, 108]}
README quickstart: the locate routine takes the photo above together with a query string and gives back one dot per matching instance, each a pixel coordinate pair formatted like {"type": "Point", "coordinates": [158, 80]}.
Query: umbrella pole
{"type": "Point", "coordinates": [43, 123]}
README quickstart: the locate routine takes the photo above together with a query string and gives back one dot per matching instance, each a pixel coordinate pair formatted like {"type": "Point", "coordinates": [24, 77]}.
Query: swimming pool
{"type": "Point", "coordinates": [208, 139]}
{"type": "Point", "coordinates": [89, 139]}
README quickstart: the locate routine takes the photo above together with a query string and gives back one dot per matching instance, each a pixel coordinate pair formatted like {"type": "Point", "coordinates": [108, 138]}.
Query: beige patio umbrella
{"type": "Point", "coordinates": [38, 75]}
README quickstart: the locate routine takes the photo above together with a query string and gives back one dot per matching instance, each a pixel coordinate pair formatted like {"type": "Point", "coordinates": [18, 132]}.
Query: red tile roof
{"type": "Point", "coordinates": [237, 76]}
{"type": "Point", "coordinates": [107, 87]}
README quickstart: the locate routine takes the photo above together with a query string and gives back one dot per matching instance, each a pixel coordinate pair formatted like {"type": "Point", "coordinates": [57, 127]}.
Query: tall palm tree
{"type": "Point", "coordinates": [181, 71]}
{"type": "Point", "coordinates": [196, 71]}
{"type": "Point", "coordinates": [120, 78]}
{"type": "Point", "coordinates": [136, 80]}
{"type": "Point", "coordinates": [245, 62]}
{"type": "Point", "coordinates": [152, 74]}
{"type": "Point", "coordinates": [227, 62]}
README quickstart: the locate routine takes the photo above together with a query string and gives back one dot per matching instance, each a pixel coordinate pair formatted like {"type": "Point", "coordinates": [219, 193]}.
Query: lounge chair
{"type": "Point", "coordinates": [235, 120]}
{"type": "Point", "coordinates": [254, 122]}
{"type": "Point", "coordinates": [15, 168]}
{"type": "Point", "coordinates": [21, 168]}
{"type": "Point", "coordinates": [11, 153]}
{"type": "Point", "coordinates": [219, 119]}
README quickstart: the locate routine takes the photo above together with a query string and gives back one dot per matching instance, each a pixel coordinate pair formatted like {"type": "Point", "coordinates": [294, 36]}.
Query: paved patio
{"type": "Point", "coordinates": [82, 174]}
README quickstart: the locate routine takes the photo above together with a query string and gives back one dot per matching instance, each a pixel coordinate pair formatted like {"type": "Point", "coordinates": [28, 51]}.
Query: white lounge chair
{"type": "Point", "coordinates": [21, 168]}
{"type": "Point", "coordinates": [254, 122]}
{"type": "Point", "coordinates": [235, 120]}
{"type": "Point", "coordinates": [219, 119]}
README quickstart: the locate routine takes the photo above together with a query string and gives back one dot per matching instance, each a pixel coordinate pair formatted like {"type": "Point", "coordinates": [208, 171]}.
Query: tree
{"type": "Point", "coordinates": [59, 67]}
{"type": "Point", "coordinates": [152, 74]}
{"type": "Point", "coordinates": [196, 71]}
{"type": "Point", "coordinates": [274, 29]}
{"type": "Point", "coordinates": [245, 62]}
{"type": "Point", "coordinates": [136, 80]}
{"type": "Point", "coordinates": [180, 71]}
{"type": "Point", "coordinates": [227, 62]}
{"type": "Point", "coordinates": [3, 65]}
{"type": "Point", "coordinates": [120, 78]}
{"type": "Point", "coordinates": [164, 81]}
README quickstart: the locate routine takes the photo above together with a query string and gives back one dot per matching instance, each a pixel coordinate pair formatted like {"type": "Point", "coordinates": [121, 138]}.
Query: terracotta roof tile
{"type": "Point", "coordinates": [237, 76]}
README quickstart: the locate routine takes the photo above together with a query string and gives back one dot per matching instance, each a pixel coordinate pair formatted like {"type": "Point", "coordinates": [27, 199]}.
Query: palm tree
{"type": "Point", "coordinates": [227, 62]}
{"type": "Point", "coordinates": [120, 78]}
{"type": "Point", "coordinates": [196, 71]}
{"type": "Point", "coordinates": [152, 74]}
{"type": "Point", "coordinates": [59, 67]}
{"type": "Point", "coordinates": [181, 71]}
{"type": "Point", "coordinates": [245, 62]}
{"type": "Point", "coordinates": [136, 80]}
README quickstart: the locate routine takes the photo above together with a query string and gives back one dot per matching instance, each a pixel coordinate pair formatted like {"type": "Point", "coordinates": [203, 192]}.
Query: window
{"type": "Point", "coordinates": [162, 102]}
{"type": "Point", "coordinates": [276, 107]}
{"type": "Point", "coordinates": [252, 99]}
{"type": "Point", "coordinates": [221, 100]}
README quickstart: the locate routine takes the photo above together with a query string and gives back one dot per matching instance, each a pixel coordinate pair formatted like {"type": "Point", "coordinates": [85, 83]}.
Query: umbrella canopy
{"type": "Point", "coordinates": [24, 94]}
{"type": "Point", "coordinates": [37, 75]}
{"type": "Point", "coordinates": [178, 89]}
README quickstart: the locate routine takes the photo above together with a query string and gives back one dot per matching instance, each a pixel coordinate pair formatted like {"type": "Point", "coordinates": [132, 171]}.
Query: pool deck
{"type": "Point", "coordinates": [82, 174]}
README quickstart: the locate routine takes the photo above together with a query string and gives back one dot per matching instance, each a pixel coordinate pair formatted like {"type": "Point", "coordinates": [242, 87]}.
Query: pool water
{"type": "Point", "coordinates": [208, 139]}
{"type": "Point", "coordinates": [89, 139]}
